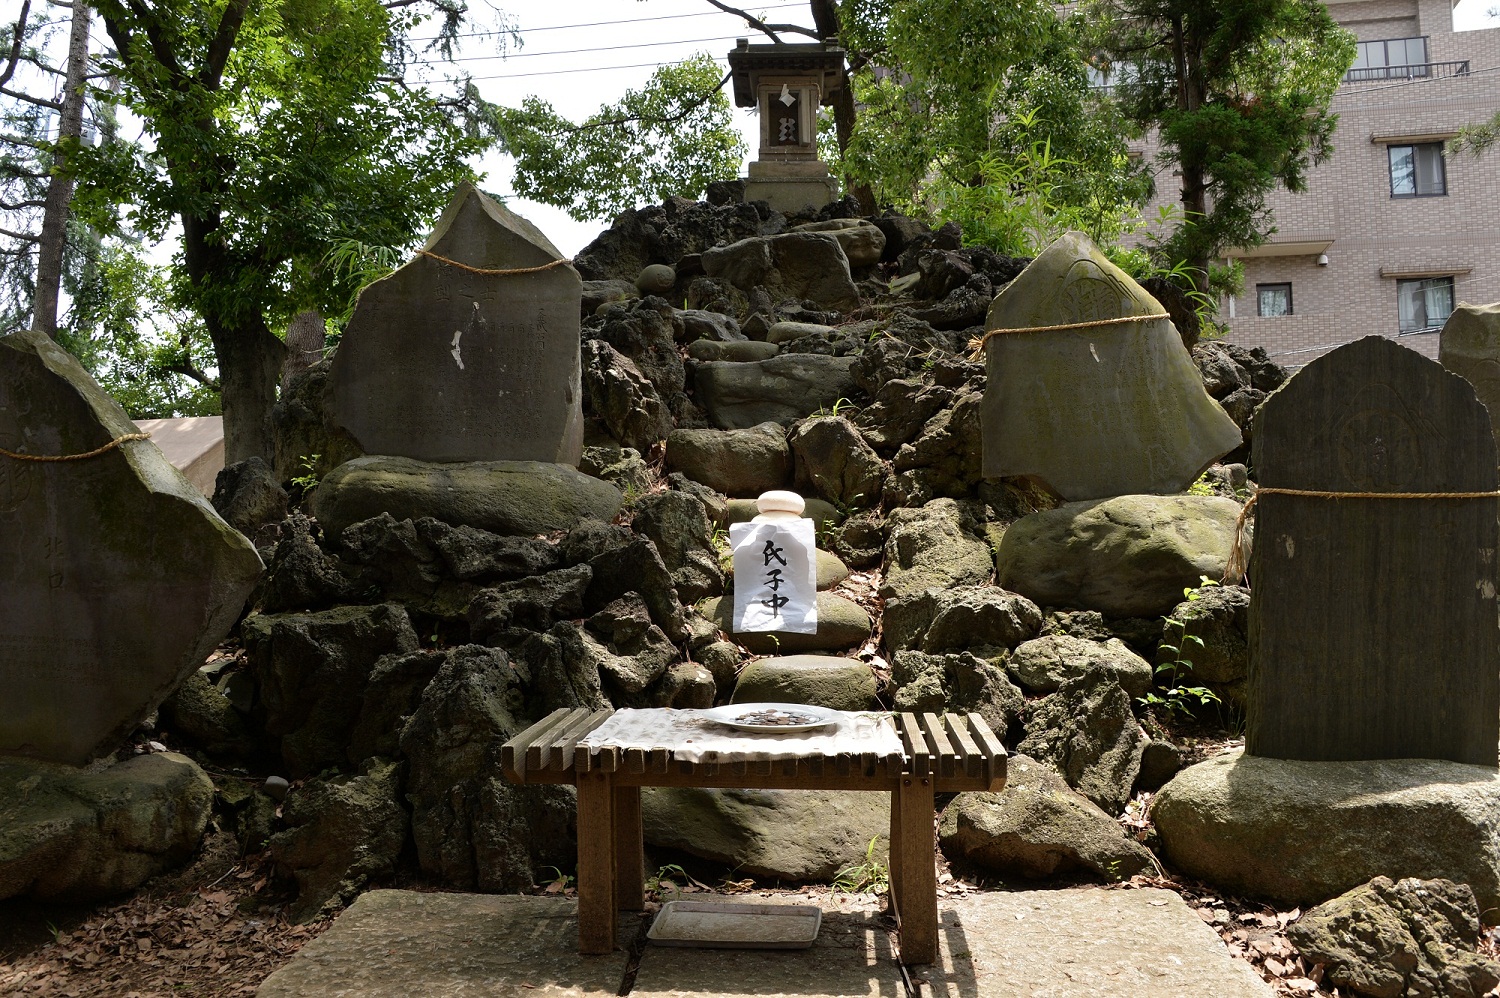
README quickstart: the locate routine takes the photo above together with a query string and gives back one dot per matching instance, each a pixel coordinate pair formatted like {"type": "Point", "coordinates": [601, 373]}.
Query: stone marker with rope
{"type": "Point", "coordinates": [470, 351]}
{"type": "Point", "coordinates": [117, 578]}
{"type": "Point", "coordinates": [1089, 387]}
{"type": "Point", "coordinates": [1373, 629]}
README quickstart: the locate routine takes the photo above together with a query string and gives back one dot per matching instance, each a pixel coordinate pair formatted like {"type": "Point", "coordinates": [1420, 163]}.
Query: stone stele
{"type": "Point", "coordinates": [117, 578]}
{"type": "Point", "coordinates": [443, 363]}
{"type": "Point", "coordinates": [1373, 619]}
{"type": "Point", "coordinates": [1469, 346]}
{"type": "Point", "coordinates": [1100, 411]}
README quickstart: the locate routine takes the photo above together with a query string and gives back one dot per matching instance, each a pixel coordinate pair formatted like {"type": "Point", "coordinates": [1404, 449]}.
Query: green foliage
{"type": "Point", "coordinates": [673, 137]}
{"type": "Point", "coordinates": [1172, 694]}
{"type": "Point", "coordinates": [668, 878]}
{"type": "Point", "coordinates": [1028, 196]}
{"type": "Point", "coordinates": [308, 480]}
{"type": "Point", "coordinates": [1239, 91]}
{"type": "Point", "coordinates": [129, 331]}
{"type": "Point", "coordinates": [870, 876]}
{"type": "Point", "coordinates": [305, 145]}
{"type": "Point", "coordinates": [1200, 488]}
{"type": "Point", "coordinates": [274, 133]}
{"type": "Point", "coordinates": [1477, 138]}
{"type": "Point", "coordinates": [993, 126]}
{"type": "Point", "coordinates": [557, 882]}
{"type": "Point", "coordinates": [829, 412]}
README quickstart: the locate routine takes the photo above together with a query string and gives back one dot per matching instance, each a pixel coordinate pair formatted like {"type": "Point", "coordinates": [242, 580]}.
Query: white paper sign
{"type": "Point", "coordinates": [775, 576]}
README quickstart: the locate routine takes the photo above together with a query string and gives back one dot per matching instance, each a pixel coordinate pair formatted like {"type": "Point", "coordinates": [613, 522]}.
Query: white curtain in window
{"type": "Point", "coordinates": [1429, 168]}
{"type": "Point", "coordinates": [1425, 304]}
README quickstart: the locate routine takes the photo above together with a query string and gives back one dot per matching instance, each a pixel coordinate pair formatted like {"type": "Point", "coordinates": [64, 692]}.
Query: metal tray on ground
{"type": "Point", "coordinates": [736, 926]}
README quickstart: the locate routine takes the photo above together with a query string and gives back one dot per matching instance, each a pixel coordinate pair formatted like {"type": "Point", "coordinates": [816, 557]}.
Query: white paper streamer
{"type": "Point", "coordinates": [775, 576]}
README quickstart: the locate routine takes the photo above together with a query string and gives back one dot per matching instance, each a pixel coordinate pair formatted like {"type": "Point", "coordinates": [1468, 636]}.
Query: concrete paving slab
{"type": "Point", "coordinates": [852, 956]}
{"type": "Point", "coordinates": [397, 944]}
{"type": "Point", "coordinates": [1082, 943]}
{"type": "Point", "coordinates": [1076, 943]}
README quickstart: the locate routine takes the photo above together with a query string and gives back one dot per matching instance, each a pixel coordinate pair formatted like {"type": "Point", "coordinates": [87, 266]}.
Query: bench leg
{"type": "Point", "coordinates": [596, 866]}
{"type": "Point", "coordinates": [630, 850]}
{"type": "Point", "coordinates": [916, 897]}
{"type": "Point", "coordinates": [897, 894]}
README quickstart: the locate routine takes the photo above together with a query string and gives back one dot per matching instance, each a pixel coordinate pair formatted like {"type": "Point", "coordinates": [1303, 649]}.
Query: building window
{"type": "Point", "coordinates": [1417, 170]}
{"type": "Point", "coordinates": [1424, 304]}
{"type": "Point", "coordinates": [1273, 299]}
{"type": "Point", "coordinates": [1389, 59]}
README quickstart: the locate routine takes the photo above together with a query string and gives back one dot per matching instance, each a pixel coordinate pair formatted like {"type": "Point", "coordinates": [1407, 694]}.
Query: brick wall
{"type": "Point", "coordinates": [1348, 205]}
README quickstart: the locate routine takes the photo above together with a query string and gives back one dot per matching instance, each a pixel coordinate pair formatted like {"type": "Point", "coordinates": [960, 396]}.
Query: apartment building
{"type": "Point", "coordinates": [1395, 229]}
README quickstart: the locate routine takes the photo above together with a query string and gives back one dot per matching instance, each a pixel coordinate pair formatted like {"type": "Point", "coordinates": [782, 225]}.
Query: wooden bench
{"type": "Point", "coordinates": [943, 753]}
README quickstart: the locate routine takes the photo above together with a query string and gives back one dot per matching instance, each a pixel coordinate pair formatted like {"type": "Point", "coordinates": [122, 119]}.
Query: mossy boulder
{"type": "Point", "coordinates": [504, 497]}
{"type": "Point", "coordinates": [71, 835]}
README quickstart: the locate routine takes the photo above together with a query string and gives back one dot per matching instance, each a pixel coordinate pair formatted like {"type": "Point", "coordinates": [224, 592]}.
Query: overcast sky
{"type": "Point", "coordinates": [569, 49]}
{"type": "Point", "coordinates": [567, 59]}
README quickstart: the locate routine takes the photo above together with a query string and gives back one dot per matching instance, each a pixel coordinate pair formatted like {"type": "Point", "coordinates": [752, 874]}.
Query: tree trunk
{"type": "Point", "coordinates": [1194, 187]}
{"type": "Point", "coordinates": [53, 237]}
{"type": "Point", "coordinates": [250, 358]}
{"type": "Point", "coordinates": [249, 354]}
{"type": "Point", "coordinates": [825, 16]}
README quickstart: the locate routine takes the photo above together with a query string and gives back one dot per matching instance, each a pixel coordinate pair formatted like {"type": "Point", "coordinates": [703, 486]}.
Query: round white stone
{"type": "Point", "coordinates": [780, 501]}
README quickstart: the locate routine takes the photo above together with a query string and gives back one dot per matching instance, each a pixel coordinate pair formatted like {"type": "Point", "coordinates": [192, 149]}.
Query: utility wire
{"type": "Point", "coordinates": [601, 48]}
{"type": "Point", "coordinates": [600, 24]}
{"type": "Point", "coordinates": [580, 69]}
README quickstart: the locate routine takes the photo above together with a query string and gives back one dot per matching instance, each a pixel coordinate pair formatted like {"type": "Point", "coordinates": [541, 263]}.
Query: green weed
{"type": "Point", "coordinates": [868, 877]}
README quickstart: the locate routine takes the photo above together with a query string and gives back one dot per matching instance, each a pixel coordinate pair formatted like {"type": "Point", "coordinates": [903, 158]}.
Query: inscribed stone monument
{"type": "Point", "coordinates": [1469, 346]}
{"type": "Point", "coordinates": [1373, 622]}
{"type": "Point", "coordinates": [442, 362]}
{"type": "Point", "coordinates": [1105, 410]}
{"type": "Point", "coordinates": [117, 578]}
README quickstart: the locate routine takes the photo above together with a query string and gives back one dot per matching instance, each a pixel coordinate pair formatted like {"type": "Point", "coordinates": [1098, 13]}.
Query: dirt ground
{"type": "Point", "coordinates": [218, 927]}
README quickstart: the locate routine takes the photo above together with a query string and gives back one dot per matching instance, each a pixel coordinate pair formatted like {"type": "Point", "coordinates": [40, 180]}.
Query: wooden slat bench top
{"type": "Point", "coordinates": [956, 751]}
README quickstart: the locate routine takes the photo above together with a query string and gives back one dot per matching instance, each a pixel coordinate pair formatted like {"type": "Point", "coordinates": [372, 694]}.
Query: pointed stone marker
{"type": "Point", "coordinates": [1107, 410]}
{"type": "Point", "coordinates": [1373, 622]}
{"type": "Point", "coordinates": [1469, 346]}
{"type": "Point", "coordinates": [442, 363]}
{"type": "Point", "coordinates": [117, 578]}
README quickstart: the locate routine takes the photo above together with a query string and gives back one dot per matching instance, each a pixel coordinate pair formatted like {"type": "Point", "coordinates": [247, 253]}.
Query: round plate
{"type": "Point", "coordinates": [753, 716]}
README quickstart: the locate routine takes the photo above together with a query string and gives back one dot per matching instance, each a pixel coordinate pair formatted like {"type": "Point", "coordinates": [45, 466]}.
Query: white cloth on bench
{"type": "Point", "coordinates": [694, 738]}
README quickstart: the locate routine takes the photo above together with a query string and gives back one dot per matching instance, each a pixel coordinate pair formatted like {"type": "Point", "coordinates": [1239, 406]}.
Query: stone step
{"type": "Point", "coordinates": [1076, 943]}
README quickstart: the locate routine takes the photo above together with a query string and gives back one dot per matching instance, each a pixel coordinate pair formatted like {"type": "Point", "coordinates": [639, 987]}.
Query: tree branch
{"type": "Point", "coordinates": [21, 205]}
{"type": "Point", "coordinates": [223, 43]}
{"type": "Point", "coordinates": [15, 45]}
{"type": "Point", "coordinates": [39, 64]}
{"type": "Point", "coordinates": [22, 140]}
{"type": "Point", "coordinates": [154, 37]}
{"type": "Point", "coordinates": [25, 237]}
{"type": "Point", "coordinates": [27, 98]}
{"type": "Point", "coordinates": [187, 369]}
{"type": "Point", "coordinates": [767, 29]}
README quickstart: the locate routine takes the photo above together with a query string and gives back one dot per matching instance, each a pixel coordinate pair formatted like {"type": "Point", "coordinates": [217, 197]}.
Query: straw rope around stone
{"type": "Point", "coordinates": [117, 441]}
{"type": "Point", "coordinates": [488, 272]}
{"type": "Point", "coordinates": [978, 343]}
{"type": "Point", "coordinates": [1234, 571]}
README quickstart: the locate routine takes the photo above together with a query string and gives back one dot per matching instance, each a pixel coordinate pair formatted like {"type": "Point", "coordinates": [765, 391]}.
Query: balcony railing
{"type": "Point", "coordinates": [1417, 71]}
